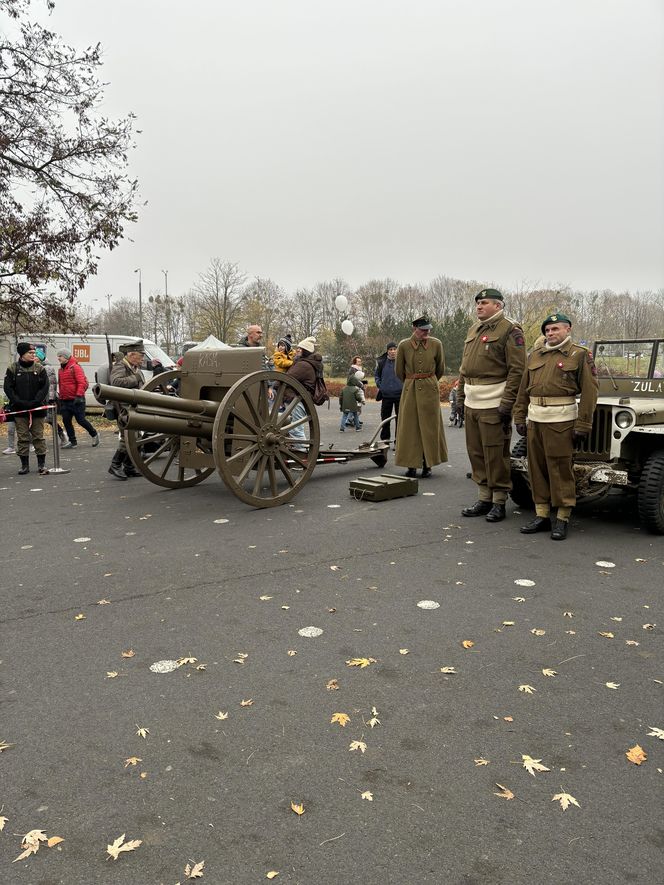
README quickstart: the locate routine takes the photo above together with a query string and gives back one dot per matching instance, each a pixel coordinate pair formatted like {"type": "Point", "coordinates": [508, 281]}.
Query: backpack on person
{"type": "Point", "coordinates": [319, 395]}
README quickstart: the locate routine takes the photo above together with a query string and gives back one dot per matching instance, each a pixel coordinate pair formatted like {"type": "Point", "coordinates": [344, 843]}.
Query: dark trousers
{"type": "Point", "coordinates": [70, 410]}
{"type": "Point", "coordinates": [386, 406]}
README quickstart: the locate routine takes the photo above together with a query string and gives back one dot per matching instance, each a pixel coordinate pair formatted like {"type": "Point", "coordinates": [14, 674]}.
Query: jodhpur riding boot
{"type": "Point", "coordinates": [41, 464]}
{"type": "Point", "coordinates": [129, 468]}
{"type": "Point", "coordinates": [117, 463]}
{"type": "Point", "coordinates": [25, 465]}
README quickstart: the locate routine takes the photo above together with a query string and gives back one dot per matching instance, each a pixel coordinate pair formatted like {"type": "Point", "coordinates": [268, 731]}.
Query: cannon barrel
{"type": "Point", "coordinates": [186, 425]}
{"type": "Point", "coordinates": [156, 400]}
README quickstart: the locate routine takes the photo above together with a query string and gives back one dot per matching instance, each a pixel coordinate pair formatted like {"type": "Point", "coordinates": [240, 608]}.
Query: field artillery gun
{"type": "Point", "coordinates": [221, 411]}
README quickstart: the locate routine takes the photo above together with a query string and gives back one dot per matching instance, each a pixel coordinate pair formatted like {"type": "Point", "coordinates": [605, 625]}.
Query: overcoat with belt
{"type": "Point", "coordinates": [420, 431]}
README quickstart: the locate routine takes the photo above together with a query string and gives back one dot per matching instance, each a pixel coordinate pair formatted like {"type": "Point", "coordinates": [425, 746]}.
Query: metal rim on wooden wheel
{"type": "Point", "coordinates": [256, 455]}
{"type": "Point", "coordinates": [161, 463]}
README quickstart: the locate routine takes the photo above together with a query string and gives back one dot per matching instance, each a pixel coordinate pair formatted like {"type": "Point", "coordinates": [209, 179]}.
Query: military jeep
{"type": "Point", "coordinates": [625, 448]}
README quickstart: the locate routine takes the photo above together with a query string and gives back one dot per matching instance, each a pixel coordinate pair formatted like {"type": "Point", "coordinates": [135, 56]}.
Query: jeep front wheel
{"type": "Point", "coordinates": [651, 494]}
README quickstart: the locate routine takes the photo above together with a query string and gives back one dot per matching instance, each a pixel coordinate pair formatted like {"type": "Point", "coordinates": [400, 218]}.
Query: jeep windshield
{"type": "Point", "coordinates": [633, 367]}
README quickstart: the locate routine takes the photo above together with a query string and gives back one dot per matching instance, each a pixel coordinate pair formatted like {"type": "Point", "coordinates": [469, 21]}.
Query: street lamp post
{"type": "Point", "coordinates": [140, 302]}
{"type": "Point", "coordinates": [108, 299]}
{"type": "Point", "coordinates": [165, 273]}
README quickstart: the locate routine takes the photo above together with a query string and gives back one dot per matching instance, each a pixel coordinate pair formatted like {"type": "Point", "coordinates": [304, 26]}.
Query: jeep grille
{"type": "Point", "coordinates": [598, 442]}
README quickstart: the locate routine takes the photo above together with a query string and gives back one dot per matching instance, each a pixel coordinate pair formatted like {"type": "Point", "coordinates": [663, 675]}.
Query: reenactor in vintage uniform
{"type": "Point", "coordinates": [494, 358]}
{"type": "Point", "coordinates": [126, 372]}
{"type": "Point", "coordinates": [420, 363]}
{"type": "Point", "coordinates": [558, 371]}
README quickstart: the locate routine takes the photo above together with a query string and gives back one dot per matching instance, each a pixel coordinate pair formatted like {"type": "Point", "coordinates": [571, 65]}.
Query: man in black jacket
{"type": "Point", "coordinates": [26, 386]}
{"type": "Point", "coordinates": [389, 388]}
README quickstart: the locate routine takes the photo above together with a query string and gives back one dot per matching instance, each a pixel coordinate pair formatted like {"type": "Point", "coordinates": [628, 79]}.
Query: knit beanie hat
{"type": "Point", "coordinates": [41, 353]}
{"type": "Point", "coordinates": [64, 353]}
{"type": "Point", "coordinates": [23, 348]}
{"type": "Point", "coordinates": [308, 344]}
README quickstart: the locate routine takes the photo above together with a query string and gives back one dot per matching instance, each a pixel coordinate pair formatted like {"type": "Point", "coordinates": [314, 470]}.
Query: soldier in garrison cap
{"type": "Point", "coordinates": [557, 372]}
{"type": "Point", "coordinates": [126, 372]}
{"type": "Point", "coordinates": [494, 357]}
{"type": "Point", "coordinates": [420, 362]}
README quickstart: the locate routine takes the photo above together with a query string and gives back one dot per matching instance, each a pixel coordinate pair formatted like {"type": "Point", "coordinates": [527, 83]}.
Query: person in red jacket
{"type": "Point", "coordinates": [72, 385]}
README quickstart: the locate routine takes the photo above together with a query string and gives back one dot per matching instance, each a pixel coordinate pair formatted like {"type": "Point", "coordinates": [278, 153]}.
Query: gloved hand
{"type": "Point", "coordinates": [579, 435]}
{"type": "Point", "coordinates": [505, 417]}
{"type": "Point", "coordinates": [522, 429]}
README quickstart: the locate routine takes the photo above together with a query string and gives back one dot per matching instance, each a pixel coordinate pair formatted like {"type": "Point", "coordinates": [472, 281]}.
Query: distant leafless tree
{"type": "Point", "coordinates": [220, 297]}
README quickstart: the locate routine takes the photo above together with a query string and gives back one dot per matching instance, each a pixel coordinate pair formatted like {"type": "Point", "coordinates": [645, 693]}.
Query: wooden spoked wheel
{"type": "Point", "coordinates": [156, 455]}
{"type": "Point", "coordinates": [257, 454]}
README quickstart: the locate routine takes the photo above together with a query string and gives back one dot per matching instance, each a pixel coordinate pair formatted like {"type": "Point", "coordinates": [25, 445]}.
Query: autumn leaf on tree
{"type": "Point", "coordinates": [656, 732]}
{"type": "Point", "coordinates": [297, 807]}
{"type": "Point", "coordinates": [341, 718]}
{"type": "Point", "coordinates": [195, 871]}
{"type": "Point", "coordinates": [532, 765]}
{"type": "Point", "coordinates": [505, 793]}
{"type": "Point", "coordinates": [527, 689]}
{"type": "Point", "coordinates": [357, 745]}
{"type": "Point", "coordinates": [636, 754]}
{"type": "Point", "coordinates": [547, 671]}
{"type": "Point", "coordinates": [565, 800]}
{"type": "Point", "coordinates": [361, 662]}
{"type": "Point", "coordinates": [119, 846]}
{"type": "Point", "coordinates": [30, 844]}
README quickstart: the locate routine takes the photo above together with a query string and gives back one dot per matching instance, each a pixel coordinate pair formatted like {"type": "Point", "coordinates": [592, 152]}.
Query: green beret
{"type": "Point", "coordinates": [556, 318]}
{"type": "Point", "coordinates": [494, 294]}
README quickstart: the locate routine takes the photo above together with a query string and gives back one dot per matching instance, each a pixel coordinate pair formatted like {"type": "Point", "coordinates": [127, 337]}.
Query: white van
{"type": "Point", "coordinates": [88, 350]}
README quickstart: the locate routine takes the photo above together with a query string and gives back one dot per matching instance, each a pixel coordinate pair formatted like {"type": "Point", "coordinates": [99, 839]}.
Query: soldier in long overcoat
{"type": "Point", "coordinates": [557, 372]}
{"type": "Point", "coordinates": [420, 363]}
{"type": "Point", "coordinates": [126, 372]}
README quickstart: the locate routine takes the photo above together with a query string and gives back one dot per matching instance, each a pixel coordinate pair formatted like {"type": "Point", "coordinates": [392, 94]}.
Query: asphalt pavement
{"type": "Point", "coordinates": [103, 579]}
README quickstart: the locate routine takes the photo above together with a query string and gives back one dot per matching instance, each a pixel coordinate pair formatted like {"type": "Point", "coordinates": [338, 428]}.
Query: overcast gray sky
{"type": "Point", "coordinates": [508, 141]}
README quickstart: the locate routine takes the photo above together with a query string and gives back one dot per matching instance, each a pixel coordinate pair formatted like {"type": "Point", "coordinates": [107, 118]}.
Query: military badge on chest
{"type": "Point", "coordinates": [561, 366]}
{"type": "Point", "coordinates": [485, 339]}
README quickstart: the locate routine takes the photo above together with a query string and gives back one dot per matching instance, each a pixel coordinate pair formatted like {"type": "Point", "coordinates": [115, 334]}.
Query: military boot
{"type": "Point", "coordinates": [117, 464]}
{"type": "Point", "coordinates": [559, 530]}
{"type": "Point", "coordinates": [496, 514]}
{"type": "Point", "coordinates": [129, 468]}
{"type": "Point", "coordinates": [25, 465]}
{"type": "Point", "coordinates": [479, 508]}
{"type": "Point", "coordinates": [41, 464]}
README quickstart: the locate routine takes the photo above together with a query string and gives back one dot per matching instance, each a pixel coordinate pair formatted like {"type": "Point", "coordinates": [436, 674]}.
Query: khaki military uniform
{"type": "Point", "coordinates": [420, 431]}
{"type": "Point", "coordinates": [494, 358]}
{"type": "Point", "coordinates": [547, 397]}
{"type": "Point", "coordinates": [123, 374]}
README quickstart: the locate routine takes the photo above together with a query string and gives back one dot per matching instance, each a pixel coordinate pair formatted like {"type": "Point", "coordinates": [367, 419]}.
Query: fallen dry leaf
{"type": "Point", "coordinates": [341, 718]}
{"type": "Point", "coordinates": [656, 732]}
{"type": "Point", "coordinates": [361, 662]}
{"type": "Point", "coordinates": [508, 623]}
{"type": "Point", "coordinates": [272, 874]}
{"type": "Point", "coordinates": [508, 718]}
{"type": "Point", "coordinates": [519, 598]}
{"type": "Point", "coordinates": [5, 746]}
{"type": "Point", "coordinates": [568, 614]}
{"type": "Point", "coordinates": [332, 685]}
{"type": "Point", "coordinates": [404, 651]}
{"type": "Point", "coordinates": [616, 619]}
{"type": "Point", "coordinates": [30, 844]}
{"type": "Point", "coordinates": [79, 617]}
{"type": "Point", "coordinates": [265, 598]}
{"type": "Point", "coordinates": [537, 632]}
{"type": "Point", "coordinates": [119, 846]}
{"type": "Point", "coordinates": [467, 643]}
{"type": "Point", "coordinates": [186, 660]}
{"type": "Point", "coordinates": [606, 634]}
{"type": "Point", "coordinates": [481, 761]}
{"type": "Point", "coordinates": [357, 745]}
{"type": "Point", "coordinates": [613, 685]}
{"type": "Point", "coordinates": [565, 800]}
{"type": "Point", "coordinates": [104, 602]}
{"type": "Point", "coordinates": [142, 732]}
{"type": "Point", "coordinates": [129, 653]}
{"type": "Point", "coordinates": [649, 626]}
{"type": "Point", "coordinates": [448, 670]}
{"type": "Point", "coordinates": [132, 760]}
{"type": "Point", "coordinates": [201, 667]}
{"type": "Point", "coordinates": [3, 821]}
{"type": "Point", "coordinates": [248, 703]}
{"type": "Point", "coordinates": [111, 674]}
{"type": "Point", "coordinates": [335, 568]}
{"type": "Point", "coordinates": [368, 795]}
{"type": "Point", "coordinates": [532, 765]}
{"type": "Point", "coordinates": [298, 808]}
{"type": "Point", "coordinates": [221, 715]}
{"type": "Point", "coordinates": [631, 642]}
{"type": "Point", "coordinates": [291, 652]}
{"type": "Point", "coordinates": [373, 722]}
{"type": "Point", "coordinates": [547, 671]}
{"type": "Point", "coordinates": [54, 840]}
{"type": "Point", "coordinates": [636, 754]}
{"type": "Point", "coordinates": [195, 872]}
{"type": "Point", "coordinates": [527, 689]}
{"type": "Point", "coordinates": [505, 793]}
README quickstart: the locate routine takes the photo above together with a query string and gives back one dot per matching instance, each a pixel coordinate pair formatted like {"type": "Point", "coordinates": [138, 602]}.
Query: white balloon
{"type": "Point", "coordinates": [341, 303]}
{"type": "Point", "coordinates": [347, 327]}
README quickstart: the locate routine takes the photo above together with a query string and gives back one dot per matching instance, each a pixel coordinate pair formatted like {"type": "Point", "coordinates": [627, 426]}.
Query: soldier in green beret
{"type": "Point", "coordinates": [494, 357]}
{"type": "Point", "coordinates": [557, 372]}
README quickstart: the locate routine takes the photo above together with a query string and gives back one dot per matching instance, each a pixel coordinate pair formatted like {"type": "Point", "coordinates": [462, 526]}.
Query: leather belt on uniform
{"type": "Point", "coordinates": [479, 382]}
{"type": "Point", "coordinates": [419, 375]}
{"type": "Point", "coordinates": [553, 400]}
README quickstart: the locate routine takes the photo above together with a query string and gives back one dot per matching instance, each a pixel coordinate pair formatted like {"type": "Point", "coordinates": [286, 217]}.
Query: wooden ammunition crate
{"type": "Point", "coordinates": [382, 488]}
